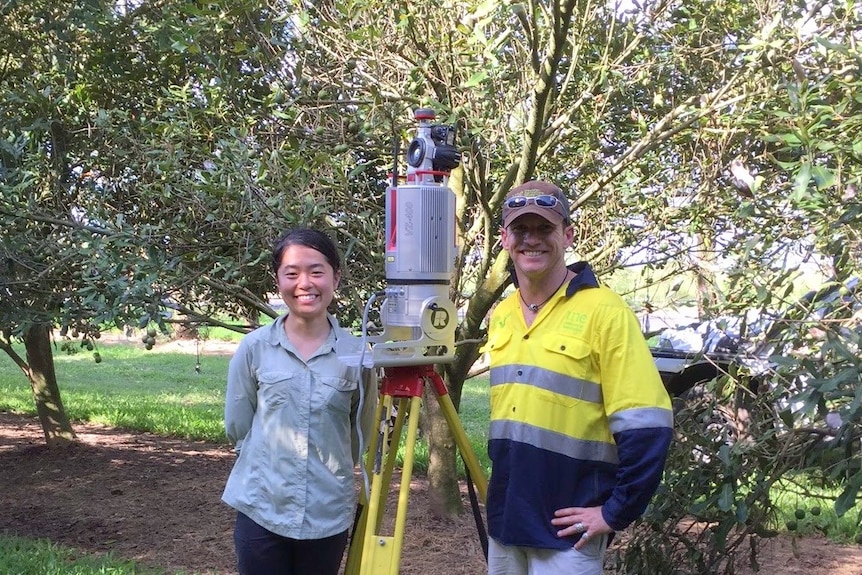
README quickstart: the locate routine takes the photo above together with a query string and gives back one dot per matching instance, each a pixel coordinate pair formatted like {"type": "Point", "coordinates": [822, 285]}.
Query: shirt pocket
{"type": "Point", "coordinates": [274, 388]}
{"type": "Point", "coordinates": [574, 353]}
{"type": "Point", "coordinates": [334, 394]}
{"type": "Point", "coordinates": [572, 358]}
{"type": "Point", "coordinates": [497, 342]}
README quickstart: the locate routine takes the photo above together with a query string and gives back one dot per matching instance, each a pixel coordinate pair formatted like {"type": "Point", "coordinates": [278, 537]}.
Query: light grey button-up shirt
{"type": "Point", "coordinates": [294, 425]}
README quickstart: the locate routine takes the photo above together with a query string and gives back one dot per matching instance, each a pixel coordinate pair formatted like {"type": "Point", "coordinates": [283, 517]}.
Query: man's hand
{"type": "Point", "coordinates": [586, 520]}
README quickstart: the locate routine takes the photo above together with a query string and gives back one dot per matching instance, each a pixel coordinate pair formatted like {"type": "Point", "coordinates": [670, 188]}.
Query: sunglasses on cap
{"type": "Point", "coordinates": [545, 201]}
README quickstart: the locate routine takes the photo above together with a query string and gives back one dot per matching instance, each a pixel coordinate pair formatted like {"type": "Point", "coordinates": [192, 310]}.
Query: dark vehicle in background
{"type": "Point", "coordinates": [794, 379]}
{"type": "Point", "coordinates": [700, 352]}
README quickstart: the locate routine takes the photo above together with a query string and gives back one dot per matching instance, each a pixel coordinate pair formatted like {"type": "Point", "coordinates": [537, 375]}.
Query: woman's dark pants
{"type": "Point", "coordinates": [261, 552]}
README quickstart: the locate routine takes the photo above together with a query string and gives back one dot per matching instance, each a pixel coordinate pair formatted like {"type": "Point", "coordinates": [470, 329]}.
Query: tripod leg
{"type": "Point", "coordinates": [406, 475]}
{"type": "Point", "coordinates": [397, 429]}
{"type": "Point", "coordinates": [391, 456]}
{"type": "Point", "coordinates": [357, 539]}
{"type": "Point", "coordinates": [381, 555]}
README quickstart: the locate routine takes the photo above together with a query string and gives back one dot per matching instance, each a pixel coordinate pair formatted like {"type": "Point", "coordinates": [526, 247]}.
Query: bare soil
{"type": "Point", "coordinates": [156, 500]}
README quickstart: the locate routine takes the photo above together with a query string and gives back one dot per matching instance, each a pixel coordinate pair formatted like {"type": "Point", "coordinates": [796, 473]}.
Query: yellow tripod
{"type": "Point", "coordinates": [372, 553]}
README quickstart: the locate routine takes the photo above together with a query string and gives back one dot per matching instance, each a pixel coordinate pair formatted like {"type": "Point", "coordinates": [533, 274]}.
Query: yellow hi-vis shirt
{"type": "Point", "coordinates": [579, 416]}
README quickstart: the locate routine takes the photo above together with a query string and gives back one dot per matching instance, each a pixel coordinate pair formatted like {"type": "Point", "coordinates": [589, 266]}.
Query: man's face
{"type": "Point", "coordinates": [535, 245]}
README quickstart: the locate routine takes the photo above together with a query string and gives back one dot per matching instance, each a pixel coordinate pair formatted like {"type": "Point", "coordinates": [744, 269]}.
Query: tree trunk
{"type": "Point", "coordinates": [444, 494]}
{"type": "Point", "coordinates": [43, 381]}
{"type": "Point", "coordinates": [703, 266]}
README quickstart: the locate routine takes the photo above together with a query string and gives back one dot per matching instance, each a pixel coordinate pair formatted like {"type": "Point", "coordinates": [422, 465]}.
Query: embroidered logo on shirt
{"type": "Point", "coordinates": [574, 322]}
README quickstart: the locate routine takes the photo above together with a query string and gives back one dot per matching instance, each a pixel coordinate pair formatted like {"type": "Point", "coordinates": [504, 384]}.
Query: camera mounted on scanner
{"type": "Point", "coordinates": [434, 143]}
{"type": "Point", "coordinates": [418, 318]}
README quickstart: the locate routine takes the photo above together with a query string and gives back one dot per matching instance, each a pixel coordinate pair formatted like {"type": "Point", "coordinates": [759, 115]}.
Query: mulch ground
{"type": "Point", "coordinates": [156, 500]}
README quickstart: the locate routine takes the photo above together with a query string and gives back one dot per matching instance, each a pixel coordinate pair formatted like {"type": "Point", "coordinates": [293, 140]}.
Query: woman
{"type": "Point", "coordinates": [291, 410]}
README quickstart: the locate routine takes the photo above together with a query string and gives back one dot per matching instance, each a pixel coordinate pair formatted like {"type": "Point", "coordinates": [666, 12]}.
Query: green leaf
{"type": "Point", "coordinates": [721, 533]}
{"type": "Point", "coordinates": [725, 498]}
{"type": "Point", "coordinates": [475, 80]}
{"type": "Point", "coordinates": [742, 512]}
{"type": "Point", "coordinates": [724, 454]}
{"type": "Point", "coordinates": [840, 48]}
{"type": "Point", "coordinates": [847, 500]}
{"type": "Point", "coordinates": [823, 178]}
{"type": "Point", "coordinates": [800, 182]}
{"type": "Point", "coordinates": [746, 209]}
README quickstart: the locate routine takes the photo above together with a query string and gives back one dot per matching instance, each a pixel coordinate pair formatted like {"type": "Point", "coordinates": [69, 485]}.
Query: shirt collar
{"type": "Point", "coordinates": [584, 278]}
{"type": "Point", "coordinates": [277, 336]}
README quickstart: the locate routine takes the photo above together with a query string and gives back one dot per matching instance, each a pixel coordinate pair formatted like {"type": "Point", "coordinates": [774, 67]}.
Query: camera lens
{"type": "Point", "coordinates": [416, 152]}
{"type": "Point", "coordinates": [439, 133]}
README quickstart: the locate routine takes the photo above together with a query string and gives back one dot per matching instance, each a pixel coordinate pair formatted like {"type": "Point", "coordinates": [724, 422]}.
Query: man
{"type": "Point", "coordinates": [580, 421]}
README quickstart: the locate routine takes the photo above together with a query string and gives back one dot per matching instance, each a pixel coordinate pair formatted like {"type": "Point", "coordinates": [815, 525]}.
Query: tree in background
{"type": "Point", "coordinates": [151, 152]}
{"type": "Point", "coordinates": [147, 163]}
{"type": "Point", "coordinates": [646, 116]}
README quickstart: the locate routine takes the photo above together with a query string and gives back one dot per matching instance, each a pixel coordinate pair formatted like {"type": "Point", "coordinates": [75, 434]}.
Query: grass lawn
{"type": "Point", "coordinates": [132, 388]}
{"type": "Point", "coordinates": [162, 392]}
{"type": "Point", "coordinates": [39, 557]}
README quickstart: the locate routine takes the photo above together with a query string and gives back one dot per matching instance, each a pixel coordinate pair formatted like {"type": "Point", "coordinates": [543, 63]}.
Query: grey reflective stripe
{"type": "Point", "coordinates": [640, 418]}
{"type": "Point", "coordinates": [552, 441]}
{"type": "Point", "coordinates": [547, 379]}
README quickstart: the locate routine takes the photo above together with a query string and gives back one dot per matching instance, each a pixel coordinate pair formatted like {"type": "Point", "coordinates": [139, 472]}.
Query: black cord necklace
{"type": "Point", "coordinates": [534, 307]}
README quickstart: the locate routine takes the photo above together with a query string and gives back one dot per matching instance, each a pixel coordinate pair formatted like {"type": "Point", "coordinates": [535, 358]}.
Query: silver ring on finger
{"type": "Point", "coordinates": [580, 527]}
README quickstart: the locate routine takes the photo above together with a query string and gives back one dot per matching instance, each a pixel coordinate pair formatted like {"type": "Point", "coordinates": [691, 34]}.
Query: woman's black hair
{"type": "Point", "coordinates": [310, 238]}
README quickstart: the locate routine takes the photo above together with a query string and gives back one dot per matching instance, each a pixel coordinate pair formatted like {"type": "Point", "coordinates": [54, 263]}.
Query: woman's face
{"type": "Point", "coordinates": [306, 281]}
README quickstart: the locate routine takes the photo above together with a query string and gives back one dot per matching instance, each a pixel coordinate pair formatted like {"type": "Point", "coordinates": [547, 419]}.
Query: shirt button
{"type": "Point", "coordinates": [562, 348]}
{"type": "Point", "coordinates": [520, 372]}
{"type": "Point", "coordinates": [527, 336]}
